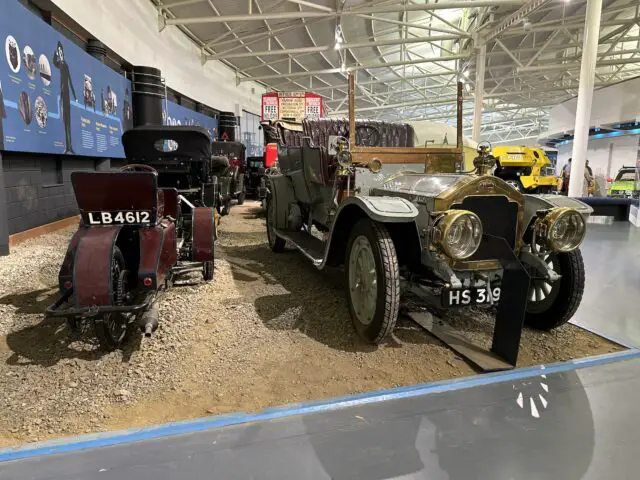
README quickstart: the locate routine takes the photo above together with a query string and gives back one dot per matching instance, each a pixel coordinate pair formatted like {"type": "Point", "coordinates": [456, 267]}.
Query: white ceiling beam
{"type": "Point", "coordinates": [324, 48]}
{"type": "Point", "coordinates": [574, 66]}
{"type": "Point", "coordinates": [313, 5]}
{"type": "Point", "coordinates": [182, 3]}
{"type": "Point", "coordinates": [380, 82]}
{"type": "Point", "coordinates": [570, 26]}
{"type": "Point", "coordinates": [515, 18]}
{"type": "Point", "coordinates": [420, 26]}
{"type": "Point", "coordinates": [443, 5]}
{"type": "Point", "coordinates": [354, 68]}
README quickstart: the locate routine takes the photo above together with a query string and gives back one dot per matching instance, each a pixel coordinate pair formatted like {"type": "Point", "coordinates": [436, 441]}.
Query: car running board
{"type": "Point", "coordinates": [311, 247]}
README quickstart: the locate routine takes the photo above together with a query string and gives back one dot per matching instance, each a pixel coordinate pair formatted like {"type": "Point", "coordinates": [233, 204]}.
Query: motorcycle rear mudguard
{"type": "Point", "coordinates": [92, 282]}
{"type": "Point", "coordinates": [158, 253]}
{"type": "Point", "coordinates": [203, 234]}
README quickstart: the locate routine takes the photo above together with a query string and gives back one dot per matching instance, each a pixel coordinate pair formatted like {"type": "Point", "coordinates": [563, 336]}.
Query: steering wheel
{"type": "Point", "coordinates": [138, 167]}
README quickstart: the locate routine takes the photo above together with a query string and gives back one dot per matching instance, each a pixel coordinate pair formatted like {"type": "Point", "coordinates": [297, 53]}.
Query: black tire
{"type": "Point", "coordinates": [111, 328]}
{"type": "Point", "coordinates": [207, 271]}
{"type": "Point", "coordinates": [387, 295]}
{"type": "Point", "coordinates": [515, 184]}
{"type": "Point", "coordinates": [241, 197]}
{"type": "Point", "coordinates": [565, 297]}
{"type": "Point", "coordinates": [276, 243]}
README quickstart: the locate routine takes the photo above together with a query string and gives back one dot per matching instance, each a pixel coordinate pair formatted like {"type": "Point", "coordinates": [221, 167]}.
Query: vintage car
{"type": "Point", "coordinates": [184, 162]}
{"type": "Point", "coordinates": [624, 184]}
{"type": "Point", "coordinates": [455, 239]}
{"type": "Point", "coordinates": [135, 237]}
{"type": "Point", "coordinates": [231, 178]}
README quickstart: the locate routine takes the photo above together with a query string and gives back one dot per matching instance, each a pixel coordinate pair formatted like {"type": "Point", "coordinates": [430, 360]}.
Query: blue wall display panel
{"type": "Point", "coordinates": [54, 97]}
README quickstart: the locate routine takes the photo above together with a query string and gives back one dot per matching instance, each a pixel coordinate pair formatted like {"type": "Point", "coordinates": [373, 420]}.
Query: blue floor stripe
{"type": "Point", "coordinates": [73, 444]}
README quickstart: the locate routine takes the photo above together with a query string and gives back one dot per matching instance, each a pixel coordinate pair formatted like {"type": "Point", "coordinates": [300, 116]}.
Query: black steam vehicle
{"type": "Point", "coordinates": [185, 162]}
{"type": "Point", "coordinates": [230, 157]}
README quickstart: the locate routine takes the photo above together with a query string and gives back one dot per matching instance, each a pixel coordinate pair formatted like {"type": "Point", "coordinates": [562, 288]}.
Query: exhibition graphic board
{"type": "Point", "coordinates": [54, 97]}
{"type": "Point", "coordinates": [175, 114]}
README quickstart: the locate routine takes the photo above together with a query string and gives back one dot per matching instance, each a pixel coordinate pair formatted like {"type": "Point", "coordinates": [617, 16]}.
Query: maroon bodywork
{"type": "Point", "coordinates": [92, 267]}
{"type": "Point", "coordinates": [158, 252]}
{"type": "Point", "coordinates": [135, 237]}
{"type": "Point", "coordinates": [150, 248]}
{"type": "Point", "coordinates": [117, 191]}
{"type": "Point", "coordinates": [203, 234]}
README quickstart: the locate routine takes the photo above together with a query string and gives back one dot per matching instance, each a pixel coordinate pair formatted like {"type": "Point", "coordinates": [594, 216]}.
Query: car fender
{"type": "Point", "coordinates": [533, 203]}
{"type": "Point", "coordinates": [389, 210]}
{"type": "Point", "coordinates": [382, 209]}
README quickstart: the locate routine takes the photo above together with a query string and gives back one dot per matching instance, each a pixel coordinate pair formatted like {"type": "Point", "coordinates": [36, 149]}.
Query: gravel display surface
{"type": "Point", "coordinates": [269, 330]}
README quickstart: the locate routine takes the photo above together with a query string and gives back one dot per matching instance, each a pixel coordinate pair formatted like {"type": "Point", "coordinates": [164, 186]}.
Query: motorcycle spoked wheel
{"type": "Point", "coordinates": [111, 328]}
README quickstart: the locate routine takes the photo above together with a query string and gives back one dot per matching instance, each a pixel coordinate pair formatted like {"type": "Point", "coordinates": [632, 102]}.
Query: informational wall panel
{"type": "Point", "coordinates": [54, 97]}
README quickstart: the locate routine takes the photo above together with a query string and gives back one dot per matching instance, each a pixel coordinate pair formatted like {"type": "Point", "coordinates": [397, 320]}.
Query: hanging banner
{"type": "Point", "coordinates": [291, 106]}
{"type": "Point", "coordinates": [54, 97]}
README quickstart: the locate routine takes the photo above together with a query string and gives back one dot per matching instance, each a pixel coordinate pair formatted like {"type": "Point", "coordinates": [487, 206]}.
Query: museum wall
{"type": "Point", "coordinates": [130, 28]}
{"type": "Point", "coordinates": [38, 188]}
{"type": "Point", "coordinates": [617, 103]}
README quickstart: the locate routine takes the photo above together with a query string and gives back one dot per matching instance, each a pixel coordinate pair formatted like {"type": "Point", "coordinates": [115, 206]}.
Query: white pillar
{"type": "Point", "coordinates": [481, 60]}
{"type": "Point", "coordinates": [585, 96]}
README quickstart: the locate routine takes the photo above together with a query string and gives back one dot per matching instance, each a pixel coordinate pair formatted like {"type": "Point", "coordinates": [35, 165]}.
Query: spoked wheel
{"type": "Point", "coordinates": [275, 242]}
{"type": "Point", "coordinates": [552, 304]}
{"type": "Point", "coordinates": [373, 278]}
{"type": "Point", "coordinates": [111, 328]}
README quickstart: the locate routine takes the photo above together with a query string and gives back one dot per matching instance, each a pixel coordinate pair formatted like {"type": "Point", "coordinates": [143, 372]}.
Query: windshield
{"type": "Point", "coordinates": [626, 176]}
{"type": "Point", "coordinates": [421, 184]}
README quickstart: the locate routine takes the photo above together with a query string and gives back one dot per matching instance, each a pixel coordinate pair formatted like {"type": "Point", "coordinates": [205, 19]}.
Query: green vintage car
{"type": "Point", "coordinates": [624, 184]}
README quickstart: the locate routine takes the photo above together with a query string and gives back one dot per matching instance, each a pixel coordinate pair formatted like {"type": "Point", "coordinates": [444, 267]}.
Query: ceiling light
{"type": "Point", "coordinates": [343, 68]}
{"type": "Point", "coordinates": [338, 44]}
{"type": "Point", "coordinates": [466, 73]}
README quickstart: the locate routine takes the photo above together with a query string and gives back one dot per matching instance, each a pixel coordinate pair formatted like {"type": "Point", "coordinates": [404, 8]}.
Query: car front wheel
{"type": "Point", "coordinates": [373, 279]}
{"type": "Point", "coordinates": [552, 304]}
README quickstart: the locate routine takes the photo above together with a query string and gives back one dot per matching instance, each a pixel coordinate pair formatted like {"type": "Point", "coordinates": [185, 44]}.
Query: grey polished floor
{"type": "Point", "coordinates": [581, 424]}
{"type": "Point", "coordinates": [611, 302]}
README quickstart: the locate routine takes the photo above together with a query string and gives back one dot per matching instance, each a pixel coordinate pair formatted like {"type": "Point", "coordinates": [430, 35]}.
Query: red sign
{"type": "Point", "coordinates": [224, 136]}
{"type": "Point", "coordinates": [291, 106]}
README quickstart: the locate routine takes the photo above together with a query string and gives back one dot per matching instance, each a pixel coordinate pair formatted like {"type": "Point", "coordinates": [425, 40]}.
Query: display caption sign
{"type": "Point", "coordinates": [291, 106]}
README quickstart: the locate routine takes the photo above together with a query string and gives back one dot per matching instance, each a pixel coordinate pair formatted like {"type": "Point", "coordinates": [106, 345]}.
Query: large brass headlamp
{"type": "Point", "coordinates": [562, 229]}
{"type": "Point", "coordinates": [458, 233]}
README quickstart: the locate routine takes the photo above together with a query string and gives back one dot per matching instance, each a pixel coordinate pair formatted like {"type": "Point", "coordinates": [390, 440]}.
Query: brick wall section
{"type": "Point", "coordinates": [31, 204]}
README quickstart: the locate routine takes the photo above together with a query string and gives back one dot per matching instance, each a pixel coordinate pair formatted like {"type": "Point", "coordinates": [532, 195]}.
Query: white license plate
{"type": "Point", "coordinates": [470, 296]}
{"type": "Point", "coordinates": [126, 217]}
